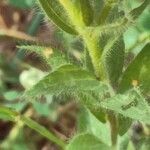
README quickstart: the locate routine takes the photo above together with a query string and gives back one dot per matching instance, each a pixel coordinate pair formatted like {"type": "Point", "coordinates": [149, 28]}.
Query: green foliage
{"type": "Point", "coordinates": [138, 71]}
{"type": "Point", "coordinates": [67, 78]}
{"type": "Point", "coordinates": [132, 105]}
{"type": "Point", "coordinates": [43, 131]}
{"type": "Point", "coordinates": [87, 11]}
{"type": "Point", "coordinates": [53, 14]}
{"type": "Point", "coordinates": [107, 88]}
{"type": "Point", "coordinates": [11, 95]}
{"type": "Point", "coordinates": [22, 4]}
{"type": "Point", "coordinates": [86, 142]}
{"type": "Point", "coordinates": [124, 124]}
{"type": "Point", "coordinates": [15, 117]}
{"type": "Point", "coordinates": [87, 122]}
{"type": "Point", "coordinates": [135, 13]}
{"type": "Point", "coordinates": [113, 59]}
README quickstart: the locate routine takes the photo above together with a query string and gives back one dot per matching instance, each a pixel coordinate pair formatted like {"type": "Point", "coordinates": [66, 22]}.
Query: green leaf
{"type": "Point", "coordinates": [87, 12]}
{"type": "Point", "coordinates": [131, 104]}
{"type": "Point", "coordinates": [92, 98]}
{"type": "Point", "coordinates": [86, 142]}
{"type": "Point", "coordinates": [138, 71]}
{"type": "Point", "coordinates": [42, 51]}
{"type": "Point", "coordinates": [87, 122]}
{"type": "Point", "coordinates": [135, 13]}
{"type": "Point", "coordinates": [11, 95]}
{"type": "Point", "coordinates": [124, 124]}
{"type": "Point", "coordinates": [53, 12]}
{"type": "Point", "coordinates": [67, 78]}
{"type": "Point", "coordinates": [113, 59]}
{"type": "Point", "coordinates": [97, 7]}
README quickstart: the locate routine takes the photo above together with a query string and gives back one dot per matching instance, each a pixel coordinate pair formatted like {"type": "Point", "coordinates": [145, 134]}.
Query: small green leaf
{"type": "Point", "coordinates": [86, 142]}
{"type": "Point", "coordinates": [11, 95]}
{"type": "Point", "coordinates": [87, 12]}
{"type": "Point", "coordinates": [97, 7]}
{"type": "Point", "coordinates": [42, 51]}
{"type": "Point", "coordinates": [49, 7]}
{"type": "Point", "coordinates": [135, 13]}
{"type": "Point", "coordinates": [138, 72]}
{"type": "Point", "coordinates": [124, 124]}
{"type": "Point", "coordinates": [113, 59]}
{"type": "Point", "coordinates": [131, 104]}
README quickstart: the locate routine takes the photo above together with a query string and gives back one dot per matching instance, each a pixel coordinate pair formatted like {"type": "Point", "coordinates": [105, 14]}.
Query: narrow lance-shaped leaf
{"type": "Point", "coordinates": [51, 57]}
{"type": "Point", "coordinates": [97, 6]}
{"type": "Point", "coordinates": [119, 22]}
{"type": "Point", "coordinates": [87, 12]}
{"type": "Point", "coordinates": [41, 51]}
{"type": "Point", "coordinates": [79, 11]}
{"type": "Point", "coordinates": [113, 59]}
{"type": "Point", "coordinates": [135, 13]}
{"type": "Point", "coordinates": [53, 14]}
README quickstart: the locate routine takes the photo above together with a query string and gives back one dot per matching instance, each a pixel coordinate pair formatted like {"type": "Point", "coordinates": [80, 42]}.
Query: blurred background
{"type": "Point", "coordinates": [22, 23]}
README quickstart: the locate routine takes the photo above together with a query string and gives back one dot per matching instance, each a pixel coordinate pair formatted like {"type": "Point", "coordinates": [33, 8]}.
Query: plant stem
{"type": "Point", "coordinates": [43, 131]}
{"type": "Point", "coordinates": [25, 120]}
{"type": "Point", "coordinates": [114, 129]}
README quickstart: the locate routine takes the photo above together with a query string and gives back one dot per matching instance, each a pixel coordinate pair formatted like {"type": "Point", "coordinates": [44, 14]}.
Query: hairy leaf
{"type": "Point", "coordinates": [132, 105]}
{"type": "Point", "coordinates": [113, 59]}
{"type": "Point", "coordinates": [53, 58]}
{"type": "Point", "coordinates": [137, 73]}
{"type": "Point", "coordinates": [135, 13]}
{"type": "Point", "coordinates": [97, 7]}
{"type": "Point", "coordinates": [86, 142]}
{"type": "Point", "coordinates": [79, 11]}
{"type": "Point", "coordinates": [41, 51]}
{"type": "Point", "coordinates": [49, 7]}
{"type": "Point", "coordinates": [67, 78]}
